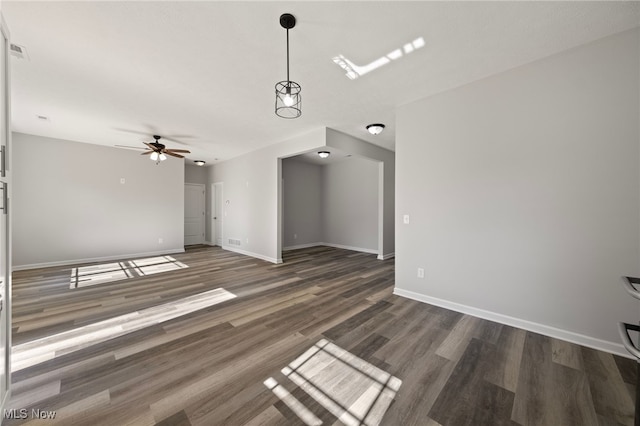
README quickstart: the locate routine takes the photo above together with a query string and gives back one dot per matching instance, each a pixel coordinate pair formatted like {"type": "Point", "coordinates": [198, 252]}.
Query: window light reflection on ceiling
{"type": "Point", "coordinates": [354, 71]}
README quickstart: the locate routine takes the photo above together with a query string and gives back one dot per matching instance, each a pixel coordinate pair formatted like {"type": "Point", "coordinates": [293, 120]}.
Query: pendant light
{"type": "Point", "coordinates": [288, 98]}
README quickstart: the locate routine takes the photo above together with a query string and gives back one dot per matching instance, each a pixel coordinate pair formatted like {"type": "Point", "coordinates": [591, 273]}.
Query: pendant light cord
{"type": "Point", "coordinates": [288, 55]}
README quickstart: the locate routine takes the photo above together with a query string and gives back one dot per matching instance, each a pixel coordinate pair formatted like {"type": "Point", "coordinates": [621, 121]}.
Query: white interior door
{"type": "Point", "coordinates": [193, 214]}
{"type": "Point", "coordinates": [216, 197]}
{"type": "Point", "coordinates": [5, 229]}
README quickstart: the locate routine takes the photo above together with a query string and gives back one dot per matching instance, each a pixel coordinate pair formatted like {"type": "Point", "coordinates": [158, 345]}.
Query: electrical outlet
{"type": "Point", "coordinates": [295, 236]}
{"type": "Point", "coordinates": [123, 181]}
{"type": "Point", "coordinates": [420, 272]}
{"type": "Point", "coordinates": [160, 240]}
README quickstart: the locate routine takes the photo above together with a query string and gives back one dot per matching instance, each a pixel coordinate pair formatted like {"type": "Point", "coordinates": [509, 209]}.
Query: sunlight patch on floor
{"type": "Point", "coordinates": [353, 390]}
{"type": "Point", "coordinates": [44, 349]}
{"type": "Point", "coordinates": [115, 271]}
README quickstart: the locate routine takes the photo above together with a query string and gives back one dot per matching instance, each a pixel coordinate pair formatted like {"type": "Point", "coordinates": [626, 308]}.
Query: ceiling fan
{"type": "Point", "coordinates": [157, 151]}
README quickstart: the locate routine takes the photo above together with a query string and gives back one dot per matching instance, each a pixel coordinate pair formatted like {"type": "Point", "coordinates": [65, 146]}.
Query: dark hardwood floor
{"type": "Point", "coordinates": [320, 338]}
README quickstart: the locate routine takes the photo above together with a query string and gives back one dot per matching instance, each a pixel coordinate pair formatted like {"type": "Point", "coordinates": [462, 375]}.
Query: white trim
{"type": "Point", "coordinates": [340, 246]}
{"type": "Point", "coordinates": [569, 336]}
{"type": "Point", "coordinates": [251, 254]}
{"type": "Point", "coordinates": [215, 187]}
{"type": "Point", "coordinates": [386, 256]}
{"type": "Point", "coordinates": [7, 243]}
{"type": "Point", "coordinates": [301, 246]}
{"type": "Point", "coordinates": [94, 259]}
{"type": "Point", "coordinates": [203, 226]}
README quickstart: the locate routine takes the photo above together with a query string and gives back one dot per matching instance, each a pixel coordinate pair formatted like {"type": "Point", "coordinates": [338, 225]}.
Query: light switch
{"type": "Point", "coordinates": [122, 181]}
{"type": "Point", "coordinates": [405, 219]}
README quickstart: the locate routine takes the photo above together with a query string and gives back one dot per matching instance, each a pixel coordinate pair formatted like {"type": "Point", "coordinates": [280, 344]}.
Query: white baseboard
{"type": "Point", "coordinates": [251, 254]}
{"type": "Point", "coordinates": [301, 246]}
{"type": "Point", "coordinates": [569, 336]}
{"type": "Point", "coordinates": [360, 249]}
{"type": "Point", "coordinates": [95, 259]}
{"type": "Point", "coordinates": [340, 246]}
{"type": "Point", "coordinates": [386, 256]}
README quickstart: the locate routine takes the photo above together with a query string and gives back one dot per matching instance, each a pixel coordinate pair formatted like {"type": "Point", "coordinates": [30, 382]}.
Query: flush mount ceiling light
{"type": "Point", "coordinates": [288, 98]}
{"type": "Point", "coordinates": [199, 162]}
{"type": "Point", "coordinates": [324, 154]}
{"type": "Point", "coordinates": [375, 129]}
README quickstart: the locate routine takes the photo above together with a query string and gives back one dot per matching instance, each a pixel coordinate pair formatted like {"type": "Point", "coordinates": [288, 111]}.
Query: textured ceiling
{"type": "Point", "coordinates": [203, 73]}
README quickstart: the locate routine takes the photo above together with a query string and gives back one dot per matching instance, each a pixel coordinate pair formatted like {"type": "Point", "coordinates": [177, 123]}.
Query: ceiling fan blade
{"type": "Point", "coordinates": [151, 147]}
{"type": "Point", "coordinates": [173, 139]}
{"type": "Point", "coordinates": [186, 151]}
{"type": "Point", "coordinates": [153, 130]}
{"type": "Point", "coordinates": [172, 154]}
{"type": "Point", "coordinates": [129, 147]}
{"type": "Point", "coordinates": [147, 152]}
{"type": "Point", "coordinates": [137, 132]}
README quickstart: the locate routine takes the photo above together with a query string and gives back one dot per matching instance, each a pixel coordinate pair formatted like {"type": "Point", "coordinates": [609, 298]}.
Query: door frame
{"type": "Point", "coordinates": [203, 203]}
{"type": "Point", "coordinates": [217, 187]}
{"type": "Point", "coordinates": [7, 179]}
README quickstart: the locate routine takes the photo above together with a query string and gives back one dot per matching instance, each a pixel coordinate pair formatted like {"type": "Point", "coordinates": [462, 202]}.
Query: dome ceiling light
{"type": "Point", "coordinates": [375, 129]}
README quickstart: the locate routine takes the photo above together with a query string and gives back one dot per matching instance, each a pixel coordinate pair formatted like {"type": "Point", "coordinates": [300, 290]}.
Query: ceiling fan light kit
{"type": "Point", "coordinates": [288, 97]}
{"type": "Point", "coordinates": [158, 152]}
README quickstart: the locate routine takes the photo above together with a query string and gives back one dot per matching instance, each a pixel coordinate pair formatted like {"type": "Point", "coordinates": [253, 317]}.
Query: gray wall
{"type": "Point", "coordinates": [335, 204]}
{"type": "Point", "coordinates": [253, 196]}
{"type": "Point", "coordinates": [524, 195]}
{"type": "Point", "coordinates": [387, 160]}
{"type": "Point", "coordinates": [252, 193]}
{"type": "Point", "coordinates": [302, 203]}
{"type": "Point", "coordinates": [69, 204]}
{"type": "Point", "coordinates": [195, 174]}
{"type": "Point", "coordinates": [350, 204]}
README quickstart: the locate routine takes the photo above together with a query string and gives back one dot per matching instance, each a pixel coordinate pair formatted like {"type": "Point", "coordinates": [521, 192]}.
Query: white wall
{"type": "Point", "coordinates": [524, 194]}
{"type": "Point", "coordinates": [386, 186]}
{"type": "Point", "coordinates": [252, 191]}
{"type": "Point", "coordinates": [69, 204]}
{"type": "Point", "coordinates": [302, 203]}
{"type": "Point", "coordinates": [350, 204]}
{"type": "Point", "coordinates": [334, 204]}
{"type": "Point", "coordinates": [252, 196]}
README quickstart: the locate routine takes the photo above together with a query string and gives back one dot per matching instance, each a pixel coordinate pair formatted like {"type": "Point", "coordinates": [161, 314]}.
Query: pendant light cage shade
{"type": "Point", "coordinates": [288, 99]}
